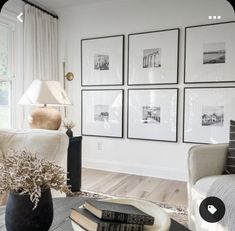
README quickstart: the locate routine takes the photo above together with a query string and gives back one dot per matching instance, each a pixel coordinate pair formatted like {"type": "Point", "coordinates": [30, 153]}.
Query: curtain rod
{"type": "Point", "coordinates": [45, 11]}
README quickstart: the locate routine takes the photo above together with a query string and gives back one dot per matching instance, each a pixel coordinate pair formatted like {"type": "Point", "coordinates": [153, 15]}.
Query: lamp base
{"type": "Point", "coordinates": [45, 118]}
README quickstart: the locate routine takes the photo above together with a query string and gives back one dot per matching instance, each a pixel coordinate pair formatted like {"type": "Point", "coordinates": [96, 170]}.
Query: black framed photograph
{"type": "Point", "coordinates": [207, 114]}
{"type": "Point", "coordinates": [210, 53]}
{"type": "Point", "coordinates": [153, 114]}
{"type": "Point", "coordinates": [102, 113]}
{"type": "Point", "coordinates": [153, 57]}
{"type": "Point", "coordinates": [102, 61]}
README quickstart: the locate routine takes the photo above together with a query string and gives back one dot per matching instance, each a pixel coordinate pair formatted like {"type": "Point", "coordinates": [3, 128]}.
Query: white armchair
{"type": "Point", "coordinates": [206, 163]}
{"type": "Point", "coordinates": [49, 144]}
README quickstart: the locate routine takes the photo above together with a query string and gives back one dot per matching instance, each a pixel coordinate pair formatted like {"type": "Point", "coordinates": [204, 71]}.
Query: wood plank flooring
{"type": "Point", "coordinates": [125, 185]}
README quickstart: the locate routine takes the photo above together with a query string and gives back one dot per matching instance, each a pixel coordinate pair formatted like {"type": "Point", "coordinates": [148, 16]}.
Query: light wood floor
{"type": "Point", "coordinates": [148, 188]}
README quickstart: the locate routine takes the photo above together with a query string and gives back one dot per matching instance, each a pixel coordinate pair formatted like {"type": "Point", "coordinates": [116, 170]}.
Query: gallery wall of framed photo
{"type": "Point", "coordinates": [145, 97]}
{"type": "Point", "coordinates": [209, 64]}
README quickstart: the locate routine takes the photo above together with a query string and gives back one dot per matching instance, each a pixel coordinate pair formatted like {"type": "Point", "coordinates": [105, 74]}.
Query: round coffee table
{"type": "Point", "coordinates": [62, 208]}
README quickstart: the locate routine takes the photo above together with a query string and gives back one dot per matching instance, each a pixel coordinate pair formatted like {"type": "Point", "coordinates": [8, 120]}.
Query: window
{"type": "Point", "coordinates": [6, 38]}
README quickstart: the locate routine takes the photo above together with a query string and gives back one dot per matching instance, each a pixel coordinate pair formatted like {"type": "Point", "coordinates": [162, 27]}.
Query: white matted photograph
{"type": "Point", "coordinates": [102, 113]}
{"type": "Point", "coordinates": [210, 53]}
{"type": "Point", "coordinates": [153, 57]}
{"type": "Point", "coordinates": [212, 115]}
{"type": "Point", "coordinates": [102, 61]}
{"type": "Point", "coordinates": [152, 114]}
{"type": "Point", "coordinates": [214, 53]}
{"type": "Point", "coordinates": [207, 112]}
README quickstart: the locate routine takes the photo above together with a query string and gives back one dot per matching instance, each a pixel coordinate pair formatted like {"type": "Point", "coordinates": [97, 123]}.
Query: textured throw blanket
{"type": "Point", "coordinates": [224, 188]}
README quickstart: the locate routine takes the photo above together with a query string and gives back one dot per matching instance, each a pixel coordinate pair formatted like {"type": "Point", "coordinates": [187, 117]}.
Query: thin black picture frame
{"type": "Point", "coordinates": [185, 52]}
{"type": "Point", "coordinates": [184, 106]}
{"type": "Point", "coordinates": [177, 114]}
{"type": "Point", "coordinates": [128, 58]}
{"type": "Point", "coordinates": [122, 125]}
{"type": "Point", "coordinates": [123, 61]}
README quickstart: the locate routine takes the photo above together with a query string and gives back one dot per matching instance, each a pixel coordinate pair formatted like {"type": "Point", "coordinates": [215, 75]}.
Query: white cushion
{"type": "Point", "coordinates": [49, 144]}
{"type": "Point", "coordinates": [203, 185]}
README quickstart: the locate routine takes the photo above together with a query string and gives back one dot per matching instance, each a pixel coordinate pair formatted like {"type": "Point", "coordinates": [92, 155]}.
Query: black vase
{"type": "Point", "coordinates": [20, 215]}
{"type": "Point", "coordinates": [69, 133]}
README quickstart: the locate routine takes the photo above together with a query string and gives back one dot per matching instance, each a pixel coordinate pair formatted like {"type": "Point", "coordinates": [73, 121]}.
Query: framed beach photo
{"type": "Point", "coordinates": [207, 114]}
{"type": "Point", "coordinates": [210, 53]}
{"type": "Point", "coordinates": [153, 57]}
{"type": "Point", "coordinates": [102, 113]}
{"type": "Point", "coordinates": [152, 114]}
{"type": "Point", "coordinates": [102, 61]}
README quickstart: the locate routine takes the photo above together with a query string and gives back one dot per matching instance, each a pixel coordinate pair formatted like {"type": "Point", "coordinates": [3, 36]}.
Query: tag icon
{"type": "Point", "coordinates": [211, 208]}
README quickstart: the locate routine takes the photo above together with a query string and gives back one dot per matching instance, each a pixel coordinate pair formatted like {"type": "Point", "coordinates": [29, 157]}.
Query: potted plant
{"type": "Point", "coordinates": [29, 180]}
{"type": "Point", "coordinates": [69, 125]}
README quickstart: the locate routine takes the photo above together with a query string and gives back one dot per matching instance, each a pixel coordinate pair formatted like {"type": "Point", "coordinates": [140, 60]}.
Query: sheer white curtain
{"type": "Point", "coordinates": [40, 46]}
{"type": "Point", "coordinates": [40, 50]}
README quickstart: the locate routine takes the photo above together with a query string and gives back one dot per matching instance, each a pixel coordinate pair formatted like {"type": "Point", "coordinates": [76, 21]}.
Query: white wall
{"type": "Point", "coordinates": [160, 159]}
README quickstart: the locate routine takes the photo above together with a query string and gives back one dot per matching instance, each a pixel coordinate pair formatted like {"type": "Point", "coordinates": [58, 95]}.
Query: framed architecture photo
{"type": "Point", "coordinates": [102, 113]}
{"type": "Point", "coordinates": [207, 113]}
{"type": "Point", "coordinates": [102, 61]}
{"type": "Point", "coordinates": [153, 114]}
{"type": "Point", "coordinates": [210, 53]}
{"type": "Point", "coordinates": [153, 57]}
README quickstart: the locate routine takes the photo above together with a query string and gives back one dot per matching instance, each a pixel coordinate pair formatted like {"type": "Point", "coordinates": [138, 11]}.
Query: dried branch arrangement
{"type": "Point", "coordinates": [69, 124]}
{"type": "Point", "coordinates": [24, 173]}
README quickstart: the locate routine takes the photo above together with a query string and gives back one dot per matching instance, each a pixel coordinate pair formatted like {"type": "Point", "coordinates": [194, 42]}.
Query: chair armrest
{"type": "Point", "coordinates": [206, 160]}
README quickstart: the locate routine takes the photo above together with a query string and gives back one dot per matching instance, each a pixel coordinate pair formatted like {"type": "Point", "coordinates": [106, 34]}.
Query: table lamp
{"type": "Point", "coordinates": [45, 94]}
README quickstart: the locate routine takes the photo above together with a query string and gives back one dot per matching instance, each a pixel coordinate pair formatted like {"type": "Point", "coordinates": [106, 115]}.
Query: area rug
{"type": "Point", "coordinates": [175, 212]}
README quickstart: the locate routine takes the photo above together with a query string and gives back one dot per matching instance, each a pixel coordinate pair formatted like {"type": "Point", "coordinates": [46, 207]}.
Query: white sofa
{"type": "Point", "coordinates": [49, 144]}
{"type": "Point", "coordinates": [206, 163]}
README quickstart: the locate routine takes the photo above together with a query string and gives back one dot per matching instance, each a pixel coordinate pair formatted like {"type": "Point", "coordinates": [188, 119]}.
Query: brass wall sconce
{"type": "Point", "coordinates": [69, 76]}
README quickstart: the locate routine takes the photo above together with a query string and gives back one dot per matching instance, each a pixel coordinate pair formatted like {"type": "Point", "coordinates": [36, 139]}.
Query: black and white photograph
{"type": "Point", "coordinates": [101, 113]}
{"type": "Point", "coordinates": [207, 114]}
{"type": "Point", "coordinates": [210, 53]}
{"type": "Point", "coordinates": [151, 115]}
{"type": "Point", "coordinates": [152, 58]}
{"type": "Point", "coordinates": [212, 115]}
{"type": "Point", "coordinates": [214, 53]}
{"type": "Point", "coordinates": [101, 62]}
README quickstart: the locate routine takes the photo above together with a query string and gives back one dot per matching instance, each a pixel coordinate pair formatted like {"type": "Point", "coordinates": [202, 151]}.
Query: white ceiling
{"type": "Point", "coordinates": [58, 4]}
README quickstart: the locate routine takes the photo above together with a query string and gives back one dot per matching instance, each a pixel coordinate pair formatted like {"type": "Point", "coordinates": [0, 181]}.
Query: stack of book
{"type": "Point", "coordinates": [107, 216]}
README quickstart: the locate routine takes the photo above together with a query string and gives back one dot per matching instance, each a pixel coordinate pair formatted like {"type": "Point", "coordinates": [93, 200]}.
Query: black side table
{"type": "Point", "coordinates": [74, 163]}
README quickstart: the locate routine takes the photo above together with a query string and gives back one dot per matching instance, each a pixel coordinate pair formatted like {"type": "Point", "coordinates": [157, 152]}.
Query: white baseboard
{"type": "Point", "coordinates": [143, 170]}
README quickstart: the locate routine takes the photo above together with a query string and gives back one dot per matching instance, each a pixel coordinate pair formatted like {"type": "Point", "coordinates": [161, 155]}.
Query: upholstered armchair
{"type": "Point", "coordinates": [206, 164]}
{"type": "Point", "coordinates": [49, 144]}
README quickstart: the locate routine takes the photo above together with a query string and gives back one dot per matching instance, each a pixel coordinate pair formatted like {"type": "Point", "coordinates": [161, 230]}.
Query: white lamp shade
{"type": "Point", "coordinates": [46, 93]}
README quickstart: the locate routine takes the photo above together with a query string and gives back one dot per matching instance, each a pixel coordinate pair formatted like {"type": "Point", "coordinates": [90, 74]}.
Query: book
{"type": "Point", "coordinates": [118, 212]}
{"type": "Point", "coordinates": [91, 223]}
